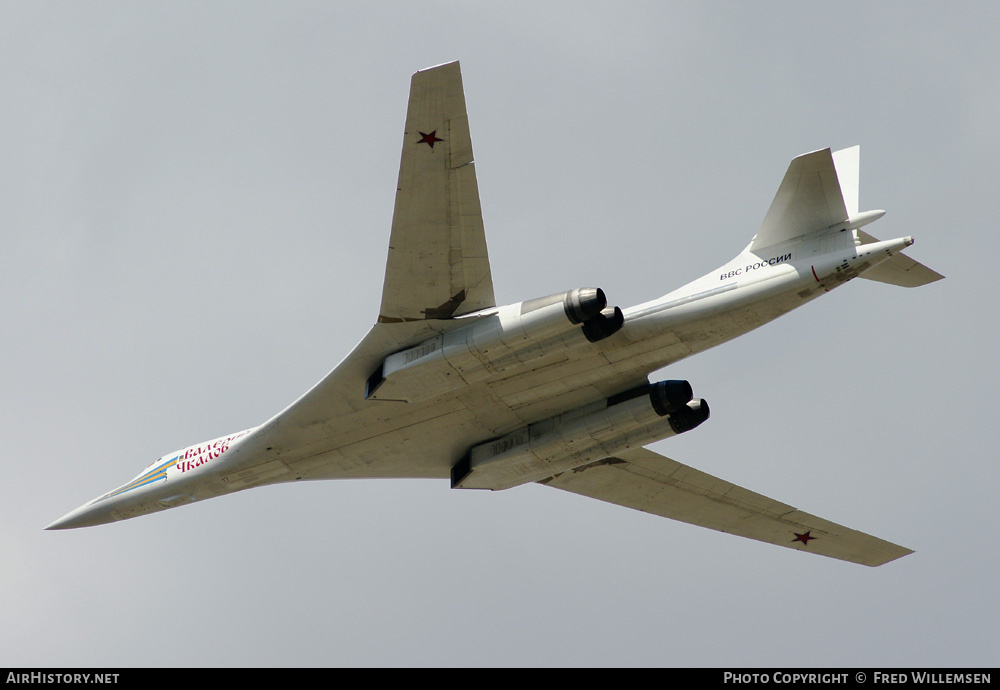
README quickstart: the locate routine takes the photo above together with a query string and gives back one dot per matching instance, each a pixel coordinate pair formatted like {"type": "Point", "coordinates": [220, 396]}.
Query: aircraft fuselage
{"type": "Point", "coordinates": [747, 292]}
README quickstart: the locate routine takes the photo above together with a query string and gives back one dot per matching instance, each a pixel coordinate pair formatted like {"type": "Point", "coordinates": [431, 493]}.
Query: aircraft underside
{"type": "Point", "coordinates": [554, 390]}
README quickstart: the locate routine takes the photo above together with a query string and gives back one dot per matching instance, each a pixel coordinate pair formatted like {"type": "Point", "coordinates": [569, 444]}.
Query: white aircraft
{"type": "Point", "coordinates": [552, 390]}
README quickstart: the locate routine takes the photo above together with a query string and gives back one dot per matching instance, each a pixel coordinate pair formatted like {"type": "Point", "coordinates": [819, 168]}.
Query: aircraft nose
{"type": "Point", "coordinates": [85, 516]}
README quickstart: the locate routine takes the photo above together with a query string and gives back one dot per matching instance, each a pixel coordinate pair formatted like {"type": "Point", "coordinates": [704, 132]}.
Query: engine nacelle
{"type": "Point", "coordinates": [632, 419]}
{"type": "Point", "coordinates": [492, 344]}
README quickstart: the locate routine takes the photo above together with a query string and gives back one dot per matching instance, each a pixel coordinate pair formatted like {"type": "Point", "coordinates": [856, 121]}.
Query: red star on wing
{"type": "Point", "coordinates": [804, 538]}
{"type": "Point", "coordinates": [429, 139]}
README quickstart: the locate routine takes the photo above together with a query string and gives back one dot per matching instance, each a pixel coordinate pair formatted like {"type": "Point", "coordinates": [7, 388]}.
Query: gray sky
{"type": "Point", "coordinates": [195, 202]}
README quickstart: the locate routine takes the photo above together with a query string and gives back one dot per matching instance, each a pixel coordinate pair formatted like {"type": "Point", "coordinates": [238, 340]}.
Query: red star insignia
{"type": "Point", "coordinates": [429, 139]}
{"type": "Point", "coordinates": [804, 538]}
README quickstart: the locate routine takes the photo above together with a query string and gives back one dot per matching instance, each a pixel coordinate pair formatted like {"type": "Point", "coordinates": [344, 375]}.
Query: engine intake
{"type": "Point", "coordinates": [583, 304]}
{"type": "Point", "coordinates": [689, 416]}
{"type": "Point", "coordinates": [669, 397]}
{"type": "Point", "coordinates": [608, 322]}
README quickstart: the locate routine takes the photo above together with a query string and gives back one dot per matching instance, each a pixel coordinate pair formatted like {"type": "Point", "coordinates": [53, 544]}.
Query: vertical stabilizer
{"type": "Point", "coordinates": [848, 165]}
{"type": "Point", "coordinates": [820, 189]}
{"type": "Point", "coordinates": [809, 199]}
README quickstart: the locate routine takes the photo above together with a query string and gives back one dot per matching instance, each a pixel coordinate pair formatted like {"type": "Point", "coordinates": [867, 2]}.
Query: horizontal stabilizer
{"type": "Point", "coordinates": [899, 269]}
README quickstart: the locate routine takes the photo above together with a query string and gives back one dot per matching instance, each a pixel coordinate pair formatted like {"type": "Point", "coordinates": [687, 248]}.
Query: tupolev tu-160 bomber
{"type": "Point", "coordinates": [553, 390]}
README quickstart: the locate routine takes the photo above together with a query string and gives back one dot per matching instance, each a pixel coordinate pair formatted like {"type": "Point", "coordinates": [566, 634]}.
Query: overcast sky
{"type": "Point", "coordinates": [195, 202]}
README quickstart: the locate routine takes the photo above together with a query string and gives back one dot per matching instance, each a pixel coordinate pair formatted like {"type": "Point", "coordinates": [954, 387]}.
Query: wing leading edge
{"type": "Point", "coordinates": [438, 266]}
{"type": "Point", "coordinates": [650, 482]}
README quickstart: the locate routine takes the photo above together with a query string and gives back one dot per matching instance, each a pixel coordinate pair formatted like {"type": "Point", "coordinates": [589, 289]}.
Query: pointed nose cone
{"type": "Point", "coordinates": [85, 516]}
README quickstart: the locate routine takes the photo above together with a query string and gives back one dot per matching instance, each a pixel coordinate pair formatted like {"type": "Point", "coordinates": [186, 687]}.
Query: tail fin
{"type": "Point", "coordinates": [819, 191]}
{"type": "Point", "coordinates": [848, 165]}
{"type": "Point", "coordinates": [809, 199]}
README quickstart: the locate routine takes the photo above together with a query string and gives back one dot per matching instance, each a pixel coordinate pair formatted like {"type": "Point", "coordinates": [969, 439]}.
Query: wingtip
{"type": "Point", "coordinates": [902, 552]}
{"type": "Point", "coordinates": [442, 65]}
